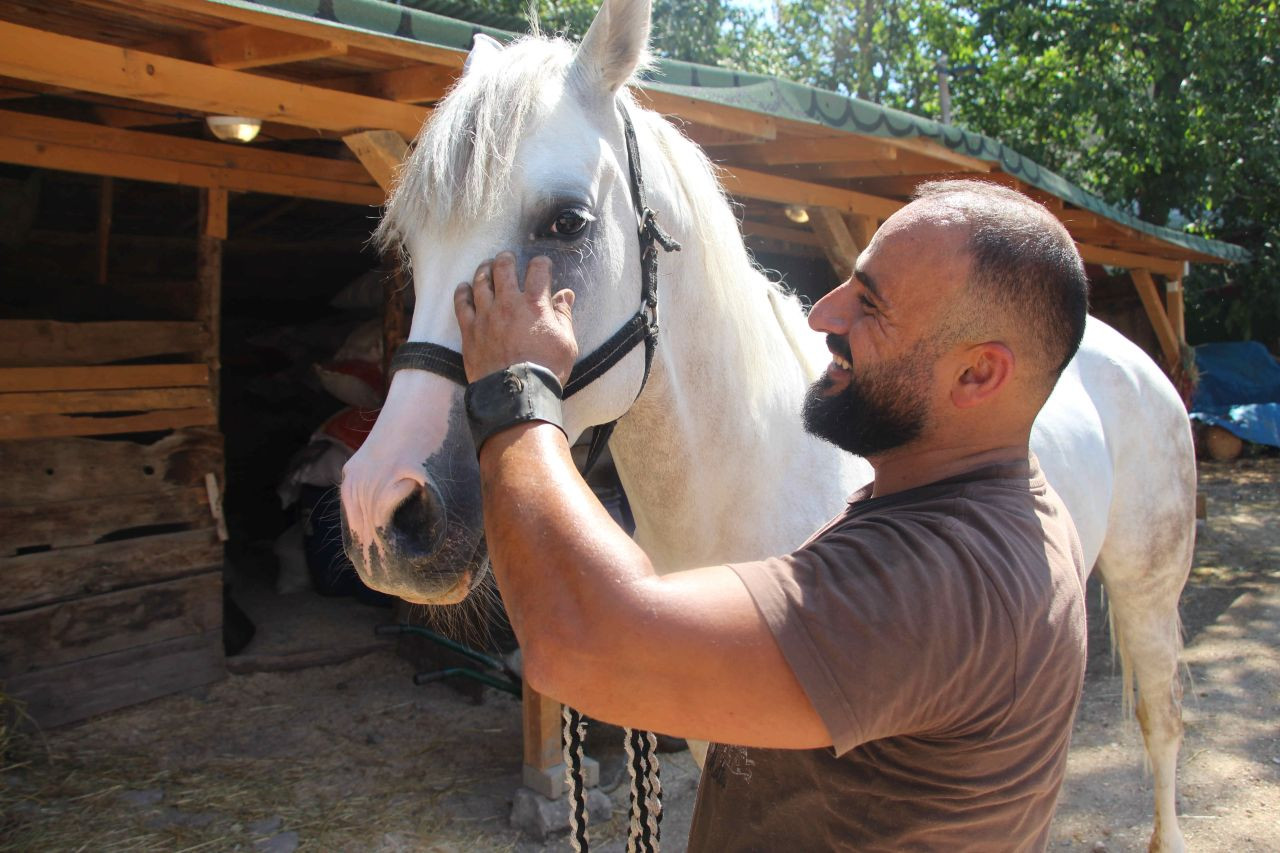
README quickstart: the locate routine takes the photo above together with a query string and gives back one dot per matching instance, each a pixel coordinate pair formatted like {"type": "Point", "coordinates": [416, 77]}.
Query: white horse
{"type": "Point", "coordinates": [527, 152]}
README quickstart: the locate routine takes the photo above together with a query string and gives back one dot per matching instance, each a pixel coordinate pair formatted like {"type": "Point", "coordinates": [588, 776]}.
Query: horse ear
{"type": "Point", "coordinates": [616, 45]}
{"type": "Point", "coordinates": [483, 47]}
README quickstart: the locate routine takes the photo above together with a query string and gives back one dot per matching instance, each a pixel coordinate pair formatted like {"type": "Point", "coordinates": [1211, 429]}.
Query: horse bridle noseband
{"type": "Point", "coordinates": [641, 328]}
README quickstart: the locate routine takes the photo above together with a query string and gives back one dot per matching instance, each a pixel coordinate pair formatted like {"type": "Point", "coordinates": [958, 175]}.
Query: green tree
{"type": "Point", "coordinates": [1168, 108]}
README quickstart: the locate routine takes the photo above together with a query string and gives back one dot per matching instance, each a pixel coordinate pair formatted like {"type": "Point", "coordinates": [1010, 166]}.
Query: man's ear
{"type": "Point", "coordinates": [987, 369]}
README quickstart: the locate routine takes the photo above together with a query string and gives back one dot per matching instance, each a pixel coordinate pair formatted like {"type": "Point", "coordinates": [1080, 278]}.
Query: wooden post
{"type": "Point", "coordinates": [105, 199]}
{"type": "Point", "coordinates": [862, 229]}
{"type": "Point", "coordinates": [543, 761]}
{"type": "Point", "coordinates": [1165, 333]}
{"type": "Point", "coordinates": [381, 152]}
{"type": "Point", "coordinates": [839, 245]}
{"type": "Point", "coordinates": [1173, 300]}
{"type": "Point", "coordinates": [213, 230]}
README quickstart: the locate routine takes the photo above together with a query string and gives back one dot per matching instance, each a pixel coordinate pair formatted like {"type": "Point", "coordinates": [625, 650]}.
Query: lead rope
{"type": "Point", "coordinates": [645, 825]}
{"type": "Point", "coordinates": [643, 833]}
{"type": "Point", "coordinates": [574, 729]}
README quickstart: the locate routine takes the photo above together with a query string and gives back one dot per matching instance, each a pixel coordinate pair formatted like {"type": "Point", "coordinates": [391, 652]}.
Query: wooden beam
{"type": "Point", "coordinates": [862, 229]}
{"type": "Point", "coordinates": [85, 161]}
{"type": "Point", "coordinates": [124, 117]}
{"type": "Point", "coordinates": [1174, 304]}
{"type": "Point", "coordinates": [703, 112]}
{"type": "Point", "coordinates": [542, 727]}
{"type": "Point", "coordinates": [1165, 333]}
{"type": "Point", "coordinates": [45, 57]}
{"type": "Point", "coordinates": [784, 152]}
{"type": "Point", "coordinates": [416, 84]}
{"type": "Point", "coordinates": [67, 469]}
{"type": "Point", "coordinates": [838, 244]}
{"type": "Point", "coordinates": [213, 210]}
{"type": "Point", "coordinates": [74, 402]}
{"type": "Point", "coordinates": [38, 637]}
{"type": "Point", "coordinates": [92, 149]}
{"type": "Point", "coordinates": [215, 214]}
{"type": "Point", "coordinates": [382, 152]}
{"type": "Point", "coordinates": [52, 426]}
{"type": "Point", "coordinates": [905, 163]}
{"type": "Point", "coordinates": [247, 46]}
{"type": "Point", "coordinates": [75, 691]}
{"type": "Point", "coordinates": [768, 230]}
{"type": "Point", "coordinates": [222, 155]}
{"type": "Point", "coordinates": [45, 342]}
{"type": "Point", "coordinates": [375, 43]}
{"type": "Point", "coordinates": [133, 376]}
{"type": "Point", "coordinates": [935, 151]}
{"type": "Point", "coordinates": [1129, 260]}
{"type": "Point", "coordinates": [66, 524]}
{"type": "Point", "coordinates": [761, 185]}
{"type": "Point", "coordinates": [906, 185]}
{"type": "Point", "coordinates": [708, 136]}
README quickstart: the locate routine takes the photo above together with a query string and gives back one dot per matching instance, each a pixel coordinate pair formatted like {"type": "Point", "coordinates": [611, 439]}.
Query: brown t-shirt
{"type": "Point", "coordinates": [940, 635]}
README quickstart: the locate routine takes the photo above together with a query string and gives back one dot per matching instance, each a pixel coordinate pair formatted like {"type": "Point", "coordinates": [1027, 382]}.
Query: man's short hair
{"type": "Point", "coordinates": [1024, 268]}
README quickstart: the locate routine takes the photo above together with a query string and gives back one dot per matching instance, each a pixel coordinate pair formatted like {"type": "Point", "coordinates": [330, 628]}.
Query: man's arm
{"type": "Point", "coordinates": [688, 653]}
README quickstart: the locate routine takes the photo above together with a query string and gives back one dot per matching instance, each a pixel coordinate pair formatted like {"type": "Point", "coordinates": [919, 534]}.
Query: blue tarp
{"type": "Point", "coordinates": [1239, 390]}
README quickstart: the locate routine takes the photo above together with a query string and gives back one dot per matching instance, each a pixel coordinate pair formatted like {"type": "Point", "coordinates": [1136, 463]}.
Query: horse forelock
{"type": "Point", "coordinates": [467, 151]}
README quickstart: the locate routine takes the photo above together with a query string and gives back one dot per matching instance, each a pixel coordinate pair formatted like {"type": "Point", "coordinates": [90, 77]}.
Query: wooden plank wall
{"type": "Point", "coordinates": [110, 559]}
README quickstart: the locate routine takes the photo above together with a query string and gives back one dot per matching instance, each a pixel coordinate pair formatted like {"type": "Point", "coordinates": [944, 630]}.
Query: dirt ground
{"type": "Point", "coordinates": [354, 757]}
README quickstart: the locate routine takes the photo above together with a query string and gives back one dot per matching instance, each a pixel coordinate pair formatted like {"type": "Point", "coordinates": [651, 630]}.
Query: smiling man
{"type": "Point", "coordinates": [907, 679]}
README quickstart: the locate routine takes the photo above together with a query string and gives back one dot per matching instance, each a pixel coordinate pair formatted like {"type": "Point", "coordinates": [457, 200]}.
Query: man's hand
{"type": "Point", "coordinates": [503, 325]}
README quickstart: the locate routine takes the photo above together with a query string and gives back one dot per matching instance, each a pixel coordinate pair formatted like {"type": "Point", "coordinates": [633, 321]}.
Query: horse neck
{"type": "Point", "coordinates": [715, 462]}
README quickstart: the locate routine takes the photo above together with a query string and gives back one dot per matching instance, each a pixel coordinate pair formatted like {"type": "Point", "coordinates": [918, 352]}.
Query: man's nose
{"type": "Point", "coordinates": [830, 314]}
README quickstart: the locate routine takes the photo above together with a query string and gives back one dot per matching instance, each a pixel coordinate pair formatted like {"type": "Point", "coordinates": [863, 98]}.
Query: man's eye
{"type": "Point", "coordinates": [569, 223]}
{"type": "Point", "coordinates": [866, 303]}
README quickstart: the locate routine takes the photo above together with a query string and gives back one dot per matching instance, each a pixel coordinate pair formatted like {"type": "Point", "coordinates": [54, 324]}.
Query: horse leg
{"type": "Point", "coordinates": [1148, 634]}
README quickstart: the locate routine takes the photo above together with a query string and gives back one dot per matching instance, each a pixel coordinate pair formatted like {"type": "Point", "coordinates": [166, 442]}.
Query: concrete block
{"type": "Point", "coordinates": [539, 816]}
{"type": "Point", "coordinates": [551, 783]}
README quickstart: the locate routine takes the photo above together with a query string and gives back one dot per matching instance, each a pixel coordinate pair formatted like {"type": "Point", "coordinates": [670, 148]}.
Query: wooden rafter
{"type": "Point", "coordinates": [770, 231]}
{"type": "Point", "coordinates": [837, 241]}
{"type": "Point", "coordinates": [904, 163]}
{"type": "Point", "coordinates": [299, 25]}
{"type": "Point", "coordinates": [748, 123]}
{"type": "Point", "coordinates": [382, 152]}
{"type": "Point", "coordinates": [45, 57]}
{"type": "Point", "coordinates": [767, 187]}
{"type": "Point", "coordinates": [248, 46]}
{"type": "Point", "coordinates": [93, 149]}
{"type": "Point", "coordinates": [417, 84]}
{"type": "Point", "coordinates": [783, 152]}
{"type": "Point", "coordinates": [1129, 260]}
{"type": "Point", "coordinates": [1169, 342]}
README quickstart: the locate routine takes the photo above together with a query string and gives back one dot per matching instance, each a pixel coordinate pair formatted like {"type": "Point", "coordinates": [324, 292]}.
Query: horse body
{"type": "Point", "coordinates": [712, 453]}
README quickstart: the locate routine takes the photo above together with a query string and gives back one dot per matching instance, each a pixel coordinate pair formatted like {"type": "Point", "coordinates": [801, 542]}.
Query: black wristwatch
{"type": "Point", "coordinates": [523, 392]}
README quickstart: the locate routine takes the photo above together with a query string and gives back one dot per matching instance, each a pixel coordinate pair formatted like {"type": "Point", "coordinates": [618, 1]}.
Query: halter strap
{"type": "Point", "coordinates": [642, 327]}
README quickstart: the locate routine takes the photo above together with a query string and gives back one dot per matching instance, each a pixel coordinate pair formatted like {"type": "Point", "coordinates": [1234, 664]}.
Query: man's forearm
{"type": "Point", "coordinates": [568, 574]}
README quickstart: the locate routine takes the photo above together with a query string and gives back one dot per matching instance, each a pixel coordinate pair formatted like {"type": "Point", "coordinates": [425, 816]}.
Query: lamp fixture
{"type": "Point", "coordinates": [234, 128]}
{"type": "Point", "coordinates": [796, 213]}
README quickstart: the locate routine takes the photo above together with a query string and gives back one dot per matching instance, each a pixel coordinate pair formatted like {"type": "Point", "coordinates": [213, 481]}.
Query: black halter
{"type": "Point", "coordinates": [641, 328]}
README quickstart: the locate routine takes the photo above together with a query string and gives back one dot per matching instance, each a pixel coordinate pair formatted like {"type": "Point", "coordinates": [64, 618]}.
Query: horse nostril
{"type": "Point", "coordinates": [419, 522]}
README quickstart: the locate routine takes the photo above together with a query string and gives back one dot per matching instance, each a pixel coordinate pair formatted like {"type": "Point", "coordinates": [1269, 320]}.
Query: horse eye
{"type": "Point", "coordinates": [569, 222]}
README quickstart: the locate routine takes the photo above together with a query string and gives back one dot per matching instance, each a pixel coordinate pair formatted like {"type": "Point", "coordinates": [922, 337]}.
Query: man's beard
{"type": "Point", "coordinates": [879, 410]}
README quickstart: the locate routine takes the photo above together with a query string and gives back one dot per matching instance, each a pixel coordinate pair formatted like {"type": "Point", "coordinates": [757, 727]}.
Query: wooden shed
{"type": "Point", "coordinates": [111, 528]}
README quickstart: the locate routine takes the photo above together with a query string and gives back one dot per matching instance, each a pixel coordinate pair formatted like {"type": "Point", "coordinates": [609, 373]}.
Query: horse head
{"type": "Point", "coordinates": [525, 153]}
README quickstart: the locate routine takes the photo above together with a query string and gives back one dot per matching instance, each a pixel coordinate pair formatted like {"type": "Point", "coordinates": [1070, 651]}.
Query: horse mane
{"type": "Point", "coordinates": [467, 152]}
{"type": "Point", "coordinates": [744, 296]}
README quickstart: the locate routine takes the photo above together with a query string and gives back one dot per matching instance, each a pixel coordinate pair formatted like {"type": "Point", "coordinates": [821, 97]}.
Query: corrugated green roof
{"type": "Point", "coordinates": [754, 92]}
